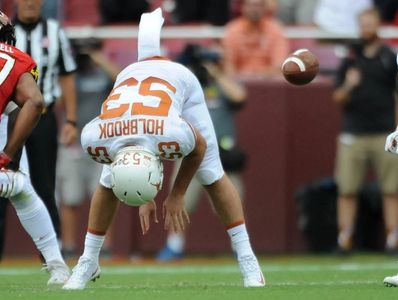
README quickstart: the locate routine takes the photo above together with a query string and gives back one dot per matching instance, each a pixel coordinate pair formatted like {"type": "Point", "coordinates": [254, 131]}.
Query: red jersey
{"type": "Point", "coordinates": [13, 63]}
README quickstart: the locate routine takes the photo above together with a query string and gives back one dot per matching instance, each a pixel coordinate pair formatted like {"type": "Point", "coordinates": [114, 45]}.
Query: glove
{"type": "Point", "coordinates": [4, 159]}
{"type": "Point", "coordinates": [11, 183]}
{"type": "Point", "coordinates": [392, 143]}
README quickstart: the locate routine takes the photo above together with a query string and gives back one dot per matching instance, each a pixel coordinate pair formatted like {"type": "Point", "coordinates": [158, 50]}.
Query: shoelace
{"type": "Point", "coordinates": [81, 269]}
{"type": "Point", "coordinates": [248, 264]}
{"type": "Point", "coordinates": [46, 268]}
{"type": "Point", "coordinates": [54, 267]}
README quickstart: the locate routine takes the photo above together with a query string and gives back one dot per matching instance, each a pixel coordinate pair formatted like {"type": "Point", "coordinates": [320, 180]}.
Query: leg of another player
{"type": "Point", "coordinates": [228, 205]}
{"type": "Point", "coordinates": [390, 207]}
{"type": "Point", "coordinates": [175, 244]}
{"type": "Point", "coordinates": [36, 220]}
{"type": "Point", "coordinates": [346, 216]}
{"type": "Point", "coordinates": [69, 228]}
{"type": "Point", "coordinates": [3, 215]}
{"type": "Point", "coordinates": [71, 185]}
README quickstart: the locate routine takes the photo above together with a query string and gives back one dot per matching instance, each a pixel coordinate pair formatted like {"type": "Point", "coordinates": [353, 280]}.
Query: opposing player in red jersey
{"type": "Point", "coordinates": [18, 75]}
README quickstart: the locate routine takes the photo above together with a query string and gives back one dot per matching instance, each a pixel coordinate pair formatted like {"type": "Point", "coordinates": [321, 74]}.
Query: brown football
{"type": "Point", "coordinates": [300, 67]}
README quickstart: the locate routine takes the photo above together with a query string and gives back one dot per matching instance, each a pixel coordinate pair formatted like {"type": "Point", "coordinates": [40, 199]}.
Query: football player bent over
{"type": "Point", "coordinates": [157, 111]}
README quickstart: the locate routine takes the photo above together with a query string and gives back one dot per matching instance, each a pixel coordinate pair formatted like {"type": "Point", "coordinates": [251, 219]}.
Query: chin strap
{"type": "Point", "coordinates": [149, 34]}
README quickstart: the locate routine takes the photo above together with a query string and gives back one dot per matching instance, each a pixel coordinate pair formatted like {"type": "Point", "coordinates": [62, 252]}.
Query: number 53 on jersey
{"type": "Point", "coordinates": [139, 108]}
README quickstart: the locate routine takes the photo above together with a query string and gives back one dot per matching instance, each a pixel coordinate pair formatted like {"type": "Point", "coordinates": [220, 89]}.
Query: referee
{"type": "Point", "coordinates": [46, 42]}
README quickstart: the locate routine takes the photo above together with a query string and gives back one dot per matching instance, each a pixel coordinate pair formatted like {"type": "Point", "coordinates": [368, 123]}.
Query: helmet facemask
{"type": "Point", "coordinates": [7, 31]}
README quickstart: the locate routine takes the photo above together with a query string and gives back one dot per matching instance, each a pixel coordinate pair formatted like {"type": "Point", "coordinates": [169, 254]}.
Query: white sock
{"type": "Point", "coordinates": [240, 241]}
{"type": "Point", "coordinates": [35, 219]}
{"type": "Point", "coordinates": [92, 246]}
{"type": "Point", "coordinates": [176, 242]}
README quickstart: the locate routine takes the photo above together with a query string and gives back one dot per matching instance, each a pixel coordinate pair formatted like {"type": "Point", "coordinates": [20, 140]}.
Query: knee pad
{"type": "Point", "coordinates": [27, 200]}
{"type": "Point", "coordinates": [27, 197]}
{"type": "Point", "coordinates": [11, 183]}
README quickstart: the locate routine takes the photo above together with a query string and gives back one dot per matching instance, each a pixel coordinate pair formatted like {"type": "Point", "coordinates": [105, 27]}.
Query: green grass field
{"type": "Point", "coordinates": [357, 277]}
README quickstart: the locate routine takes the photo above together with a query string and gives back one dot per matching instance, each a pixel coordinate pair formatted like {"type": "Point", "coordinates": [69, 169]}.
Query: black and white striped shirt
{"type": "Point", "coordinates": [46, 42]}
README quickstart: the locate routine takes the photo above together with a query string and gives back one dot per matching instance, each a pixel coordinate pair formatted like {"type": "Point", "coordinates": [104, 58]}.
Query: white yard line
{"type": "Point", "coordinates": [220, 269]}
{"type": "Point", "coordinates": [326, 283]}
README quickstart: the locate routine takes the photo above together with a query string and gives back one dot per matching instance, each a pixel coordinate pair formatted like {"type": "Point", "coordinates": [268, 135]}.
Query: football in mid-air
{"type": "Point", "coordinates": [300, 67]}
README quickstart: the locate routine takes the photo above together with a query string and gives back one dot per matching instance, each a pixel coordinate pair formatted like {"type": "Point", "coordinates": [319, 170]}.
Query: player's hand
{"type": "Point", "coordinates": [174, 214]}
{"type": "Point", "coordinates": [392, 142]}
{"type": "Point", "coordinates": [147, 212]}
{"type": "Point", "coordinates": [4, 159]}
{"type": "Point", "coordinates": [68, 134]}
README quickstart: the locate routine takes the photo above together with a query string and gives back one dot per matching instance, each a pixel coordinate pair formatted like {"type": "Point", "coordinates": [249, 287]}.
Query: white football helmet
{"type": "Point", "coordinates": [137, 175]}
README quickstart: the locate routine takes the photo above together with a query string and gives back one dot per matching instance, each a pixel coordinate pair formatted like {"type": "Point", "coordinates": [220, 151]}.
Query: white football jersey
{"type": "Point", "coordinates": [144, 108]}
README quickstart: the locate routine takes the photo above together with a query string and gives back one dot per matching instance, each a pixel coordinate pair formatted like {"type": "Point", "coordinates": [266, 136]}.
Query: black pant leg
{"type": "Point", "coordinates": [12, 117]}
{"type": "Point", "coordinates": [13, 165]}
{"type": "Point", "coordinates": [41, 148]}
{"type": "Point", "coordinates": [3, 219]}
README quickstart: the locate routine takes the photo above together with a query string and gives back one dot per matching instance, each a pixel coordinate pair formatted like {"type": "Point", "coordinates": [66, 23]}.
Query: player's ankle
{"type": "Point", "coordinates": [92, 246]}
